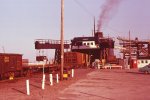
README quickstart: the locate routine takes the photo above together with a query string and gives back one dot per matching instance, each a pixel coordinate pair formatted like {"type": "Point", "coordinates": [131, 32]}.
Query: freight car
{"type": "Point", "coordinates": [10, 65]}
{"type": "Point", "coordinates": [71, 60]}
{"type": "Point", "coordinates": [75, 60]}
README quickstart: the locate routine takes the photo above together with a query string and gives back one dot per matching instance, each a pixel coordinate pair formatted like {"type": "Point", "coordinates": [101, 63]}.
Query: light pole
{"type": "Point", "coordinates": [43, 81]}
{"type": "Point", "coordinates": [129, 49]}
{"type": "Point", "coordinates": [62, 39]}
{"type": "Point", "coordinates": [44, 63]}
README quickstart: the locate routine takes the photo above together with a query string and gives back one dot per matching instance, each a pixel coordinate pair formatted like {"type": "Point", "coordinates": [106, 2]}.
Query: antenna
{"type": "Point", "coordinates": [3, 49]}
{"type": "Point", "coordinates": [94, 25]}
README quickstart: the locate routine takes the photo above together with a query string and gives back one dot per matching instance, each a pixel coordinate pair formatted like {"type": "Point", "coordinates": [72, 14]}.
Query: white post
{"type": "Point", "coordinates": [27, 85]}
{"type": "Point", "coordinates": [72, 73]}
{"type": "Point", "coordinates": [121, 67]}
{"type": "Point", "coordinates": [43, 82]}
{"type": "Point", "coordinates": [51, 79]}
{"type": "Point", "coordinates": [110, 66]}
{"type": "Point", "coordinates": [57, 79]}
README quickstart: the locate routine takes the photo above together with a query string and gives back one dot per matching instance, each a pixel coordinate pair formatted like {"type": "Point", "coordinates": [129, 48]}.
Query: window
{"type": "Point", "coordinates": [91, 43]}
{"type": "Point", "coordinates": [84, 43]}
{"type": "Point", "coordinates": [142, 61]}
{"type": "Point", "coordinates": [146, 61]}
{"type": "Point", "coordinates": [88, 44]}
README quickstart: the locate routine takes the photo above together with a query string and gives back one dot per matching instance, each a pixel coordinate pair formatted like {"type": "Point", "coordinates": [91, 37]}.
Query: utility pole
{"type": "Point", "coordinates": [129, 44]}
{"type": "Point", "coordinates": [62, 39]}
{"type": "Point", "coordinates": [129, 48]}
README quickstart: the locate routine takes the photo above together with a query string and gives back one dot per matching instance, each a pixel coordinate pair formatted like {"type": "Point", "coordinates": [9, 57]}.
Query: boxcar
{"type": "Point", "coordinates": [75, 59]}
{"type": "Point", "coordinates": [10, 65]}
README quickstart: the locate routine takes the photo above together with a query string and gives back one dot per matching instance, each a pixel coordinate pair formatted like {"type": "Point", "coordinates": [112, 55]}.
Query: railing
{"type": "Point", "coordinates": [50, 41]}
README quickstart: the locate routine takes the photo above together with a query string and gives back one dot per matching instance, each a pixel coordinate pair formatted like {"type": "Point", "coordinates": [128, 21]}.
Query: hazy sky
{"type": "Point", "coordinates": [23, 21]}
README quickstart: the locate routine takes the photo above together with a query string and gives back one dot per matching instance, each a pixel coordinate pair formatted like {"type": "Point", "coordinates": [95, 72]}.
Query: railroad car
{"type": "Point", "coordinates": [10, 65]}
{"type": "Point", "coordinates": [75, 59]}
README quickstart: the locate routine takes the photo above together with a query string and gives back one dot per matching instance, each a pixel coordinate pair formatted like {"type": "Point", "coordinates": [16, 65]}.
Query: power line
{"type": "Point", "coordinates": [89, 13]}
{"type": "Point", "coordinates": [83, 7]}
{"type": "Point", "coordinates": [113, 29]}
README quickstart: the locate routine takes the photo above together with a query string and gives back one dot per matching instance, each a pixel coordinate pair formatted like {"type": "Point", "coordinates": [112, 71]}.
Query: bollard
{"type": "Point", "coordinates": [57, 79]}
{"type": "Point", "coordinates": [51, 79]}
{"type": "Point", "coordinates": [72, 74]}
{"type": "Point", "coordinates": [110, 66]}
{"type": "Point", "coordinates": [27, 85]}
{"type": "Point", "coordinates": [43, 82]}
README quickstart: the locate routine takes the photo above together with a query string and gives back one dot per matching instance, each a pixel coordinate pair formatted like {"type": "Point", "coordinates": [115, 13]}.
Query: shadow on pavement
{"type": "Point", "coordinates": [35, 86]}
{"type": "Point", "coordinates": [96, 96]}
{"type": "Point", "coordinates": [140, 73]}
{"type": "Point", "coordinates": [18, 90]}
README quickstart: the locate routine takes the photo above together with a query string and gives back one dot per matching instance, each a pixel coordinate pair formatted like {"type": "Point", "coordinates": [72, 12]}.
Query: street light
{"type": "Point", "coordinates": [43, 81]}
{"type": "Point", "coordinates": [44, 63]}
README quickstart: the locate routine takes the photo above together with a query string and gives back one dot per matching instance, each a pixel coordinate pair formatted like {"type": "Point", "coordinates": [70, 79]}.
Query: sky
{"type": "Point", "coordinates": [23, 21]}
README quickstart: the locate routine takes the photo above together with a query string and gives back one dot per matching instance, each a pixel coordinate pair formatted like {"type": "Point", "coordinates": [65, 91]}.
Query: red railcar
{"type": "Point", "coordinates": [75, 59]}
{"type": "Point", "coordinates": [10, 64]}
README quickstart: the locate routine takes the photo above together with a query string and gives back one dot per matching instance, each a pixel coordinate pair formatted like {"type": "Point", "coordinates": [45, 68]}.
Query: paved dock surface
{"type": "Point", "coordinates": [88, 84]}
{"type": "Point", "coordinates": [110, 85]}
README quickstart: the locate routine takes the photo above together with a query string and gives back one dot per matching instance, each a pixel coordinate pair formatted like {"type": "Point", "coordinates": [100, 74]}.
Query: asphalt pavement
{"type": "Point", "coordinates": [87, 84]}
{"type": "Point", "coordinates": [109, 84]}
